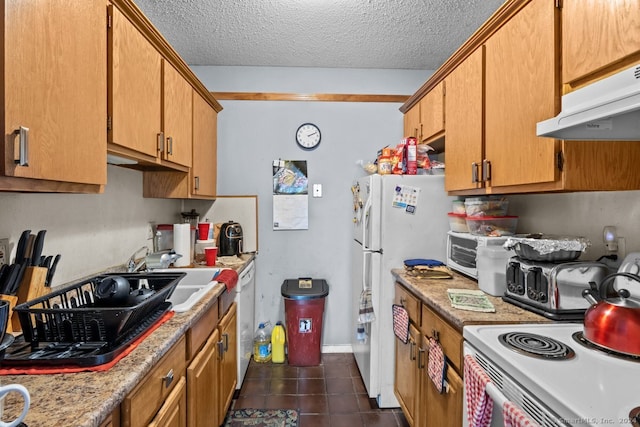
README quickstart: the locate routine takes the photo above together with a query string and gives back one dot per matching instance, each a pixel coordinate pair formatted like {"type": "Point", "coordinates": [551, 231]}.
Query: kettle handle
{"type": "Point", "coordinates": [591, 294]}
{"type": "Point", "coordinates": [609, 289]}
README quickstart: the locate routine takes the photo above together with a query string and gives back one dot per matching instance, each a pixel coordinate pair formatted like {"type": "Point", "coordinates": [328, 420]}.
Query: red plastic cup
{"type": "Point", "coordinates": [203, 230]}
{"type": "Point", "coordinates": [210, 255]}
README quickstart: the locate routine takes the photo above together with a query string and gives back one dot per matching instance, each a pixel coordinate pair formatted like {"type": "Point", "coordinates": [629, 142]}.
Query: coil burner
{"type": "Point", "coordinates": [536, 346]}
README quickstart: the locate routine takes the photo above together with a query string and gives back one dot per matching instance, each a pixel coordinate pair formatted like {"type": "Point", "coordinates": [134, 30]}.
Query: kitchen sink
{"type": "Point", "coordinates": [192, 287]}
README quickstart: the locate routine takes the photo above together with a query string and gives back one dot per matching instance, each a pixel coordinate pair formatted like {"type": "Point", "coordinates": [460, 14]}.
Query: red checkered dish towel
{"type": "Point", "coordinates": [515, 417]}
{"type": "Point", "coordinates": [479, 404]}
{"type": "Point", "coordinates": [400, 323]}
{"type": "Point", "coordinates": [437, 365]}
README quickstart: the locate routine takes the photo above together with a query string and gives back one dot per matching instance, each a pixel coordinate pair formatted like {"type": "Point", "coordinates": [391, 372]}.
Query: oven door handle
{"type": "Point", "coordinates": [496, 395]}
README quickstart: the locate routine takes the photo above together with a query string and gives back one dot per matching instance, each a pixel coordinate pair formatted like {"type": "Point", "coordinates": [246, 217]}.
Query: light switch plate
{"type": "Point", "coordinates": [317, 190]}
{"type": "Point", "coordinates": [4, 251]}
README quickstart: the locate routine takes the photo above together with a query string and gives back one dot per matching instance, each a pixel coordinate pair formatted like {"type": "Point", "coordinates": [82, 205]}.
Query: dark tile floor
{"type": "Point", "coordinates": [330, 394]}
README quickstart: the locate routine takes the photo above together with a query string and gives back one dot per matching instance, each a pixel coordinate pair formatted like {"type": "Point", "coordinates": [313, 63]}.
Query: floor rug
{"type": "Point", "coordinates": [262, 418]}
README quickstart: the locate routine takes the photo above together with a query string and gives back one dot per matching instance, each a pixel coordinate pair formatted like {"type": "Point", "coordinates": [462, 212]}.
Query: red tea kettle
{"type": "Point", "coordinates": [613, 320]}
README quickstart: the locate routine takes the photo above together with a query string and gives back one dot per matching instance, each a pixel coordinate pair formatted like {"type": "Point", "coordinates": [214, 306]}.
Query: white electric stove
{"type": "Point", "coordinates": [583, 386]}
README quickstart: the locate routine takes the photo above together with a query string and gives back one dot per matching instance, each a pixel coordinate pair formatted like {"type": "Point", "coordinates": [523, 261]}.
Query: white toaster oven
{"type": "Point", "coordinates": [462, 251]}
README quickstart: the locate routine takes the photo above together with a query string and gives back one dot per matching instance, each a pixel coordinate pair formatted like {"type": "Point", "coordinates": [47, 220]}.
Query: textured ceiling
{"type": "Point", "coordinates": [396, 34]}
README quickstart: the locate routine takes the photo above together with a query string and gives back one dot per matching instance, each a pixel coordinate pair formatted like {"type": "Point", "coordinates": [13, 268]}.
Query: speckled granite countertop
{"type": "Point", "coordinates": [433, 292]}
{"type": "Point", "coordinates": [86, 399]}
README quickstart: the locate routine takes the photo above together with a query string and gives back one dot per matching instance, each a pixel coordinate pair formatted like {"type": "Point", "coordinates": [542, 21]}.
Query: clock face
{"type": "Point", "coordinates": [308, 136]}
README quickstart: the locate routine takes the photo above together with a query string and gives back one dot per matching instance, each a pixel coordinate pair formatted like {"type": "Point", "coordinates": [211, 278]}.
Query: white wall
{"type": "Point", "coordinates": [92, 232]}
{"type": "Point", "coordinates": [253, 133]}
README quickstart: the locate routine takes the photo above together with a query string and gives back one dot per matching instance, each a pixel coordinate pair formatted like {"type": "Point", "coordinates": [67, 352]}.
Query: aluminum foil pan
{"type": "Point", "coordinates": [547, 247]}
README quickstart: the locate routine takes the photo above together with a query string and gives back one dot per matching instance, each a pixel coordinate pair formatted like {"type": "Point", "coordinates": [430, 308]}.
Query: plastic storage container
{"type": "Point", "coordinates": [492, 269]}
{"type": "Point", "coordinates": [304, 301]}
{"type": "Point", "coordinates": [457, 207]}
{"type": "Point", "coordinates": [262, 345]}
{"type": "Point", "coordinates": [494, 226]}
{"type": "Point", "coordinates": [277, 343]}
{"type": "Point", "coordinates": [458, 222]}
{"type": "Point", "coordinates": [486, 206]}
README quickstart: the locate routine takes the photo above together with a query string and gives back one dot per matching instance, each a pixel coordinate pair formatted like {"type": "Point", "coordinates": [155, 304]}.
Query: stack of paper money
{"type": "Point", "coordinates": [472, 300]}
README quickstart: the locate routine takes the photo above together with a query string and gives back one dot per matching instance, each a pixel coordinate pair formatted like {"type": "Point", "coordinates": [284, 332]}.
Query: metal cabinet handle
{"type": "Point", "coordinates": [170, 145]}
{"type": "Point", "coordinates": [402, 301]}
{"type": "Point", "coordinates": [161, 142]}
{"type": "Point", "coordinates": [421, 351]}
{"type": "Point", "coordinates": [225, 337]}
{"type": "Point", "coordinates": [220, 345]}
{"type": "Point", "coordinates": [168, 379]}
{"type": "Point", "coordinates": [435, 334]}
{"type": "Point", "coordinates": [412, 347]}
{"type": "Point", "coordinates": [474, 172]}
{"type": "Point", "coordinates": [197, 183]}
{"type": "Point", "coordinates": [22, 149]}
{"type": "Point", "coordinates": [486, 170]}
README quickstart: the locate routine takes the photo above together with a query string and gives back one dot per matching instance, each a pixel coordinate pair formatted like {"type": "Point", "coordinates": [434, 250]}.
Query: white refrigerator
{"type": "Point", "coordinates": [396, 217]}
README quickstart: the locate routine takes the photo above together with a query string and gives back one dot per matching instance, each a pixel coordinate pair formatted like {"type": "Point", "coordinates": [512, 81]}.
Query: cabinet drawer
{"type": "Point", "coordinates": [408, 301]}
{"type": "Point", "coordinates": [201, 330]}
{"type": "Point", "coordinates": [450, 339]}
{"type": "Point", "coordinates": [141, 405]}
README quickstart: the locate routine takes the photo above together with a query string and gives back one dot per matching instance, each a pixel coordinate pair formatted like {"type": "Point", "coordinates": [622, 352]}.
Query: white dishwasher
{"type": "Point", "coordinates": [245, 300]}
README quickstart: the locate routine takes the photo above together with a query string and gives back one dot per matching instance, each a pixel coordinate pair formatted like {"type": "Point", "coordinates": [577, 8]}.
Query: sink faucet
{"type": "Point", "coordinates": [132, 267]}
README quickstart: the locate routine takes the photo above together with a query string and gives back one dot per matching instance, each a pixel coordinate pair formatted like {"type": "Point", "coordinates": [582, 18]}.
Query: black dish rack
{"type": "Point", "coordinates": [71, 315]}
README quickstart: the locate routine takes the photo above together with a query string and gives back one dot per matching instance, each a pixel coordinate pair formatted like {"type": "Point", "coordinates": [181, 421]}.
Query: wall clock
{"type": "Point", "coordinates": [308, 136]}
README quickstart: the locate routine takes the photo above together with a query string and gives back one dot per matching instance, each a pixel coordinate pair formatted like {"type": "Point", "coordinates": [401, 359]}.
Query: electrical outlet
{"type": "Point", "coordinates": [4, 251]}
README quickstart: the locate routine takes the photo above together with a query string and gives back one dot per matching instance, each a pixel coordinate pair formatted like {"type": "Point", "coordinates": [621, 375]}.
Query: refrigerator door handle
{"type": "Point", "coordinates": [365, 224]}
{"type": "Point", "coordinates": [366, 268]}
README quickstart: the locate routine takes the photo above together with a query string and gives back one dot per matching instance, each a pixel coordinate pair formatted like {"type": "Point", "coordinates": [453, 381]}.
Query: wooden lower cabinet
{"type": "Point", "coordinates": [173, 412]}
{"type": "Point", "coordinates": [141, 407]}
{"type": "Point", "coordinates": [194, 382]}
{"type": "Point", "coordinates": [421, 403]}
{"type": "Point", "coordinates": [202, 377]}
{"type": "Point", "coordinates": [406, 385]}
{"type": "Point", "coordinates": [436, 409]}
{"type": "Point", "coordinates": [228, 371]}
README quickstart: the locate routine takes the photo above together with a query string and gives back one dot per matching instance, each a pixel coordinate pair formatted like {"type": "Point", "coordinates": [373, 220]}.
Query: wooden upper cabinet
{"type": "Point", "coordinates": [598, 35]}
{"type": "Point", "coordinates": [522, 88]}
{"type": "Point", "coordinates": [54, 69]}
{"type": "Point", "coordinates": [205, 145]}
{"type": "Point", "coordinates": [432, 113]}
{"type": "Point", "coordinates": [464, 131]}
{"type": "Point", "coordinates": [412, 122]}
{"type": "Point", "coordinates": [177, 113]}
{"type": "Point", "coordinates": [135, 90]}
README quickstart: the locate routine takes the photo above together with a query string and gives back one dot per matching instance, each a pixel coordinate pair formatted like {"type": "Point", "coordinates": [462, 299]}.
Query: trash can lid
{"type": "Point", "coordinates": [304, 288]}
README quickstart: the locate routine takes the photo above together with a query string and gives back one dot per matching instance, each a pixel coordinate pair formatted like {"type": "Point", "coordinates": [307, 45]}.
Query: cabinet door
{"type": "Point", "coordinates": [173, 412]}
{"type": "Point", "coordinates": [406, 375]}
{"type": "Point", "coordinates": [522, 89]}
{"type": "Point", "coordinates": [412, 122]}
{"type": "Point", "coordinates": [596, 34]}
{"type": "Point", "coordinates": [440, 410]}
{"type": "Point", "coordinates": [55, 86]}
{"type": "Point", "coordinates": [432, 113]}
{"type": "Point", "coordinates": [135, 88]}
{"type": "Point", "coordinates": [202, 378]}
{"type": "Point", "coordinates": [205, 147]}
{"type": "Point", "coordinates": [464, 137]}
{"type": "Point", "coordinates": [177, 116]}
{"type": "Point", "coordinates": [229, 360]}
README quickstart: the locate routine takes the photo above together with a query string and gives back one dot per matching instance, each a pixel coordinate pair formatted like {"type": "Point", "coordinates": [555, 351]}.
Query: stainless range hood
{"type": "Point", "coordinates": [605, 110]}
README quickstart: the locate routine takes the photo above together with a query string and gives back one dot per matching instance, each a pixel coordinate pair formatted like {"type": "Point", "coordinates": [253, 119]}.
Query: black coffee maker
{"type": "Point", "coordinates": [230, 239]}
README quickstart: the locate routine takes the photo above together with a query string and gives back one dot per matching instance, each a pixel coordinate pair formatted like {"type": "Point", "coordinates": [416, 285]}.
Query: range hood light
{"type": "Point", "coordinates": [605, 110]}
{"type": "Point", "coordinates": [117, 160]}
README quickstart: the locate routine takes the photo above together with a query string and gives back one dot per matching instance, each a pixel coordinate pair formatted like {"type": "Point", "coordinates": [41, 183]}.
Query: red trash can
{"type": "Point", "coordinates": [304, 307]}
